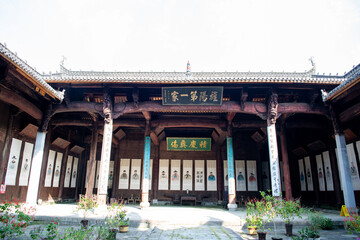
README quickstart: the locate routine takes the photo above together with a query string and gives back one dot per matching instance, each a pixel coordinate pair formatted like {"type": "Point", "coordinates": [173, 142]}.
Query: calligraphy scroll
{"type": "Point", "coordinates": [74, 172]}
{"type": "Point", "coordinates": [163, 174]}
{"type": "Point", "coordinates": [320, 172]}
{"type": "Point", "coordinates": [68, 171]}
{"type": "Point", "coordinates": [240, 175]}
{"type": "Point", "coordinates": [97, 173]}
{"type": "Point", "coordinates": [26, 164]}
{"type": "Point", "coordinates": [309, 174]}
{"type": "Point", "coordinates": [146, 164]}
{"type": "Point", "coordinates": [111, 174]}
{"type": "Point", "coordinates": [230, 165]}
{"type": "Point", "coordinates": [354, 172]}
{"type": "Point", "coordinates": [175, 175]}
{"type": "Point", "coordinates": [135, 174]}
{"type": "Point", "coordinates": [274, 160]}
{"type": "Point", "coordinates": [13, 162]}
{"type": "Point", "coordinates": [328, 171]}
{"type": "Point", "coordinates": [188, 175]}
{"type": "Point", "coordinates": [124, 173]}
{"type": "Point", "coordinates": [50, 168]}
{"type": "Point", "coordinates": [199, 175]}
{"type": "Point", "coordinates": [57, 170]}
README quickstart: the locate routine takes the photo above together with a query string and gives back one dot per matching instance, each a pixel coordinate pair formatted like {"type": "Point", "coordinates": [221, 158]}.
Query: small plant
{"type": "Point", "coordinates": [306, 233]}
{"type": "Point", "coordinates": [288, 209]}
{"type": "Point", "coordinates": [320, 222]}
{"type": "Point", "coordinates": [86, 205]}
{"type": "Point", "coordinates": [252, 218]}
{"type": "Point", "coordinates": [36, 232]}
{"type": "Point", "coordinates": [116, 216]}
{"type": "Point", "coordinates": [51, 230]}
{"type": "Point", "coordinates": [352, 223]}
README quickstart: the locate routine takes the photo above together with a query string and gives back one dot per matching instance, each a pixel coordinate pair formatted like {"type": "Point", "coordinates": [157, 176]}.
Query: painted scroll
{"type": "Point", "coordinates": [68, 171]}
{"type": "Point", "coordinates": [226, 177]}
{"type": "Point", "coordinates": [97, 173]}
{"type": "Point", "coordinates": [135, 174]}
{"type": "Point", "coordinates": [175, 175]}
{"type": "Point", "coordinates": [265, 175]}
{"type": "Point", "coordinates": [163, 174]}
{"type": "Point", "coordinates": [328, 171]}
{"type": "Point", "coordinates": [308, 174]}
{"type": "Point", "coordinates": [13, 162]}
{"type": "Point", "coordinates": [26, 164]}
{"type": "Point", "coordinates": [252, 176]}
{"type": "Point", "coordinates": [50, 168]}
{"type": "Point", "coordinates": [211, 175]}
{"type": "Point", "coordinates": [240, 175]}
{"type": "Point", "coordinates": [74, 172]}
{"type": "Point", "coordinates": [124, 173]}
{"type": "Point", "coordinates": [188, 175]}
{"type": "Point", "coordinates": [320, 172]}
{"type": "Point", "coordinates": [199, 175]}
{"type": "Point", "coordinates": [302, 175]}
{"type": "Point", "coordinates": [353, 166]}
{"type": "Point", "coordinates": [57, 170]}
{"type": "Point", "coordinates": [111, 174]}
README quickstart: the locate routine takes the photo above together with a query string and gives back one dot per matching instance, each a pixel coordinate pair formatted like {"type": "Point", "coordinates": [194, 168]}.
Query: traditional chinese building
{"type": "Point", "coordinates": [176, 137]}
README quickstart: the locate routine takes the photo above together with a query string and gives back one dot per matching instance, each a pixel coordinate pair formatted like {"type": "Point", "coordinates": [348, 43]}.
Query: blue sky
{"type": "Point", "coordinates": [156, 35]}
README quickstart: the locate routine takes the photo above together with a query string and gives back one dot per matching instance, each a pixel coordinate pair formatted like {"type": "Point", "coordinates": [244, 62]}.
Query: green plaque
{"type": "Point", "coordinates": [188, 144]}
{"type": "Point", "coordinates": [192, 95]}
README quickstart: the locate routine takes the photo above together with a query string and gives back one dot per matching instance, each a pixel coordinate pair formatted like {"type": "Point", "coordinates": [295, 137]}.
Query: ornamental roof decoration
{"type": "Point", "coordinates": [352, 77]}
{"type": "Point", "coordinates": [30, 72]}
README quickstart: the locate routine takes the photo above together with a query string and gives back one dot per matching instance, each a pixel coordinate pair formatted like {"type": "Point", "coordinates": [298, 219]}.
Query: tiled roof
{"type": "Point", "coordinates": [351, 78]}
{"type": "Point", "coordinates": [68, 76]}
{"type": "Point", "coordinates": [31, 72]}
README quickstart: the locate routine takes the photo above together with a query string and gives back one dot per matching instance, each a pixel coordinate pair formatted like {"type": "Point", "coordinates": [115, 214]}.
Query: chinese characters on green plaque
{"type": "Point", "coordinates": [188, 144]}
{"type": "Point", "coordinates": [192, 95]}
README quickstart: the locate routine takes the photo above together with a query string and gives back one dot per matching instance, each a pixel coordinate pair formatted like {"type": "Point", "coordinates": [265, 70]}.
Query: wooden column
{"type": "Point", "coordinates": [273, 147]}
{"type": "Point", "coordinates": [92, 160]}
{"type": "Point", "coordinates": [220, 172]}
{"type": "Point", "coordinates": [155, 173]}
{"type": "Point", "coordinates": [105, 151]}
{"type": "Point", "coordinates": [285, 160]}
{"type": "Point", "coordinates": [115, 183]}
{"type": "Point", "coordinates": [63, 169]}
{"type": "Point", "coordinates": [146, 176]}
{"type": "Point", "coordinates": [335, 171]}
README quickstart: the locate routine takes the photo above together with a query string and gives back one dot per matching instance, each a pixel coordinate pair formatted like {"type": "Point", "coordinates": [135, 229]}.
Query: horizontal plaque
{"type": "Point", "coordinates": [192, 95]}
{"type": "Point", "coordinates": [188, 144]}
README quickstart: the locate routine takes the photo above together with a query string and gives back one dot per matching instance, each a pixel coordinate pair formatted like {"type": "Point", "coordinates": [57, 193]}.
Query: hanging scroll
{"type": "Point", "coordinates": [353, 166]}
{"type": "Point", "coordinates": [252, 176]}
{"type": "Point", "coordinates": [135, 174]}
{"type": "Point", "coordinates": [302, 175]}
{"type": "Point", "coordinates": [358, 148]}
{"type": "Point", "coordinates": [175, 175]}
{"type": "Point", "coordinates": [50, 168]}
{"type": "Point", "coordinates": [68, 171]}
{"type": "Point", "coordinates": [341, 184]}
{"type": "Point", "coordinates": [163, 174]}
{"type": "Point", "coordinates": [150, 173]}
{"type": "Point", "coordinates": [74, 172]}
{"type": "Point", "coordinates": [265, 175]}
{"type": "Point", "coordinates": [124, 174]}
{"type": "Point", "coordinates": [97, 173]}
{"type": "Point", "coordinates": [26, 164]}
{"type": "Point", "coordinates": [57, 171]}
{"type": "Point", "coordinates": [187, 178]}
{"type": "Point", "coordinates": [226, 177]}
{"type": "Point", "coordinates": [282, 176]}
{"type": "Point", "coordinates": [328, 171]}
{"type": "Point", "coordinates": [13, 162]}
{"type": "Point", "coordinates": [111, 174]}
{"type": "Point", "coordinates": [211, 175]}
{"type": "Point", "coordinates": [199, 175]}
{"type": "Point", "coordinates": [240, 175]}
{"type": "Point", "coordinates": [320, 172]}
{"type": "Point", "coordinates": [309, 174]}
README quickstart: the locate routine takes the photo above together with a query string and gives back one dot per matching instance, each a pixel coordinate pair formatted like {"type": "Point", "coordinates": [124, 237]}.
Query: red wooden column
{"type": "Point", "coordinates": [155, 173]}
{"type": "Point", "coordinates": [285, 159]}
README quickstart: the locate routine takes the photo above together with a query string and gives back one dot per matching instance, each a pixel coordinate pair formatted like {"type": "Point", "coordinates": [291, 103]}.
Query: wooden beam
{"type": "Point", "coordinates": [147, 115]}
{"type": "Point", "coordinates": [65, 122]}
{"type": "Point", "coordinates": [249, 124]}
{"type": "Point", "coordinates": [24, 105]}
{"type": "Point", "coordinates": [78, 107]}
{"type": "Point", "coordinates": [129, 123]}
{"type": "Point", "coordinates": [230, 116]}
{"type": "Point", "coordinates": [193, 122]}
{"type": "Point", "coordinates": [350, 113]}
{"type": "Point", "coordinates": [215, 136]}
{"type": "Point", "coordinates": [161, 136]}
{"type": "Point", "coordinates": [154, 138]}
{"type": "Point", "coordinates": [158, 130]}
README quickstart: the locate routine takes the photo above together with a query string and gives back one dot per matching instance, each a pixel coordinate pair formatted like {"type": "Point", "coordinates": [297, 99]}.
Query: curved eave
{"type": "Point", "coordinates": [342, 88]}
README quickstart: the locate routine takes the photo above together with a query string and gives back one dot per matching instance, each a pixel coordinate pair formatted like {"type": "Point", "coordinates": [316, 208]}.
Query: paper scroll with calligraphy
{"type": "Point", "coordinates": [320, 172]}
{"type": "Point", "coordinates": [240, 175]}
{"type": "Point", "coordinates": [57, 171]}
{"type": "Point", "coordinates": [50, 168]}
{"type": "Point", "coordinates": [124, 173]}
{"type": "Point", "coordinates": [328, 171]}
{"type": "Point", "coordinates": [97, 173]}
{"type": "Point", "coordinates": [111, 174]}
{"type": "Point", "coordinates": [265, 175]}
{"type": "Point", "coordinates": [26, 164]}
{"type": "Point", "coordinates": [302, 175]}
{"type": "Point", "coordinates": [252, 176]}
{"type": "Point", "coordinates": [353, 166]}
{"type": "Point", "coordinates": [309, 174]}
{"type": "Point", "coordinates": [175, 175]}
{"type": "Point", "coordinates": [150, 174]}
{"type": "Point", "coordinates": [274, 161]}
{"type": "Point", "coordinates": [199, 175]}
{"type": "Point", "coordinates": [13, 162]}
{"type": "Point", "coordinates": [188, 175]}
{"type": "Point", "coordinates": [163, 174]}
{"type": "Point", "coordinates": [74, 172]}
{"type": "Point", "coordinates": [211, 175]}
{"type": "Point", "coordinates": [226, 177]}
{"type": "Point", "coordinates": [68, 171]}
{"type": "Point", "coordinates": [135, 174]}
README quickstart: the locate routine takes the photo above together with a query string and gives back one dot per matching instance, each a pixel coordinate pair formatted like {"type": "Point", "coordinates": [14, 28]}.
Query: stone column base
{"type": "Point", "coordinates": [144, 205]}
{"type": "Point", "coordinates": [232, 207]}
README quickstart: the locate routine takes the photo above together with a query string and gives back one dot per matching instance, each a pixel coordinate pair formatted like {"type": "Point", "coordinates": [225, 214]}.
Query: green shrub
{"type": "Point", "coordinates": [320, 222]}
